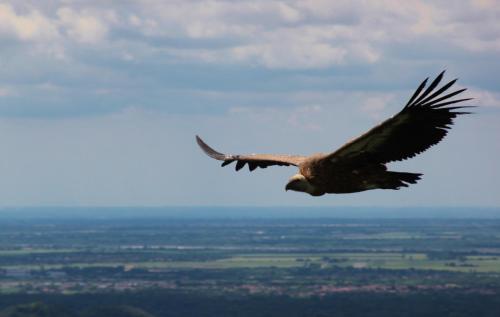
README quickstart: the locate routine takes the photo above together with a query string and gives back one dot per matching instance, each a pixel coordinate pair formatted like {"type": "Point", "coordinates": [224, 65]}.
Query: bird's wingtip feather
{"type": "Point", "coordinates": [208, 150]}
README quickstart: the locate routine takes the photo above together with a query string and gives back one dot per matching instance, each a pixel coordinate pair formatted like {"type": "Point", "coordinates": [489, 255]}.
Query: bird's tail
{"type": "Point", "coordinates": [396, 180]}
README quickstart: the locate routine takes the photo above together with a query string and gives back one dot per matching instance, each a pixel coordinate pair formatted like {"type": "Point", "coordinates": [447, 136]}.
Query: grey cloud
{"type": "Point", "coordinates": [104, 57]}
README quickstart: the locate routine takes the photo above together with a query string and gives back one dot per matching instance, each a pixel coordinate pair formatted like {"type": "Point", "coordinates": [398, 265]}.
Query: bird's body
{"type": "Point", "coordinates": [347, 178]}
{"type": "Point", "coordinates": [360, 164]}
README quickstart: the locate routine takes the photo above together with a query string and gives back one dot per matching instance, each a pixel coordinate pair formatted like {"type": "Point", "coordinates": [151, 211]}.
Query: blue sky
{"type": "Point", "coordinates": [100, 100]}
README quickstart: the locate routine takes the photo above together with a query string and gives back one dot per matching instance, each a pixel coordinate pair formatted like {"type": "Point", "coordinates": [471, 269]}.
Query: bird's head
{"type": "Point", "coordinates": [299, 183]}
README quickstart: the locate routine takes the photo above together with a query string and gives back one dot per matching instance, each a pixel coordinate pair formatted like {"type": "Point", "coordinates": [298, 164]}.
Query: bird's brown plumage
{"type": "Point", "coordinates": [360, 164]}
{"type": "Point", "coordinates": [253, 160]}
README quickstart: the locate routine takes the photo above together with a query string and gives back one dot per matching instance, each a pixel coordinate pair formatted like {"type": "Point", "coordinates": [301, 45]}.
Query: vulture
{"type": "Point", "coordinates": [360, 164]}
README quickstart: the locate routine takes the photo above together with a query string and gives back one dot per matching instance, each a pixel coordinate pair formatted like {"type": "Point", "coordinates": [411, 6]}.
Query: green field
{"type": "Point", "coordinates": [33, 251]}
{"type": "Point", "coordinates": [304, 257]}
{"type": "Point", "coordinates": [417, 261]}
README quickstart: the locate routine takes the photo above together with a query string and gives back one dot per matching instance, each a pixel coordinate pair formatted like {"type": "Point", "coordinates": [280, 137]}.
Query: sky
{"type": "Point", "coordinates": [100, 101]}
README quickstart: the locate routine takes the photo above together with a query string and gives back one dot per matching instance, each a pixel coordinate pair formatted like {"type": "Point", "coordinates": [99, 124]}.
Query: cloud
{"type": "Point", "coordinates": [317, 34]}
{"type": "Point", "coordinates": [485, 98]}
{"type": "Point", "coordinates": [95, 96]}
{"type": "Point", "coordinates": [375, 105]}
{"type": "Point", "coordinates": [84, 27]}
{"type": "Point", "coordinates": [304, 54]}
{"type": "Point", "coordinates": [32, 26]}
{"type": "Point", "coordinates": [304, 118]}
{"type": "Point", "coordinates": [5, 91]}
{"type": "Point", "coordinates": [105, 57]}
{"type": "Point", "coordinates": [315, 111]}
{"type": "Point", "coordinates": [313, 33]}
{"type": "Point", "coordinates": [268, 33]}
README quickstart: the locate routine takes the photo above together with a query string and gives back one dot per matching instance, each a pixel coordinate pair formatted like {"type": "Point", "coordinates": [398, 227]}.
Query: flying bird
{"type": "Point", "coordinates": [360, 164]}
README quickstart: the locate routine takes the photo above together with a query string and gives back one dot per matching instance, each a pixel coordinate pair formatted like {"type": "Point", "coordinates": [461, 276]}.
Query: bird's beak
{"type": "Point", "coordinates": [288, 186]}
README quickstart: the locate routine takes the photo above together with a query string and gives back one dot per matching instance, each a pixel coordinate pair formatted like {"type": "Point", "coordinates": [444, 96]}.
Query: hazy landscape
{"type": "Point", "coordinates": [249, 262]}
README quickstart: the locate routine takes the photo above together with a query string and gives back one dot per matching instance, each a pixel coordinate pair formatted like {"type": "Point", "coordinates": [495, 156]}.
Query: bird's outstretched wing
{"type": "Point", "coordinates": [423, 122]}
{"type": "Point", "coordinates": [253, 160]}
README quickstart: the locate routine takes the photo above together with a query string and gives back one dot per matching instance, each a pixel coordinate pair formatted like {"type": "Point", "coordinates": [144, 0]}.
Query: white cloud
{"type": "Point", "coordinates": [315, 33]}
{"type": "Point", "coordinates": [84, 27]}
{"type": "Point", "coordinates": [361, 44]}
{"type": "Point", "coordinates": [303, 54]}
{"type": "Point", "coordinates": [485, 98]}
{"type": "Point", "coordinates": [32, 26]}
{"type": "Point", "coordinates": [297, 34]}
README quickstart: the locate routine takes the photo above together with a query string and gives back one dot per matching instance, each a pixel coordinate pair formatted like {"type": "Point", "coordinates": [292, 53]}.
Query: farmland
{"type": "Point", "coordinates": [221, 256]}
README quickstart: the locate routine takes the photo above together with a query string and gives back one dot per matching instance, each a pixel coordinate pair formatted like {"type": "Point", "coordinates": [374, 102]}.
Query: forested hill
{"type": "Point", "coordinates": [166, 304]}
{"type": "Point", "coordinates": [39, 309]}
